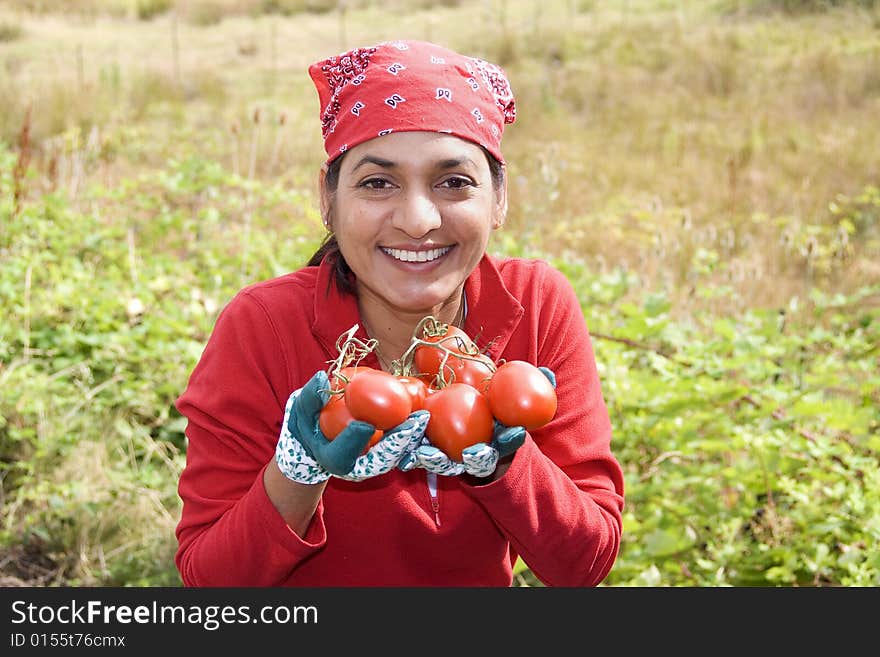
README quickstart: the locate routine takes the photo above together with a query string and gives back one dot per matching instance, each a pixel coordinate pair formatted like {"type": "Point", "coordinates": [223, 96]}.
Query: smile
{"type": "Point", "coordinates": [416, 256]}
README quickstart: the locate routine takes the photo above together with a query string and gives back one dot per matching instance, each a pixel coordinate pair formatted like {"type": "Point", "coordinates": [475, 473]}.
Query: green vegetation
{"type": "Point", "coordinates": [705, 174]}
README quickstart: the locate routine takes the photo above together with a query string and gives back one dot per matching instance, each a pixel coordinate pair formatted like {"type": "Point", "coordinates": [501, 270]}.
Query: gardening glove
{"type": "Point", "coordinates": [551, 377]}
{"type": "Point", "coordinates": [396, 443]}
{"type": "Point", "coordinates": [304, 454]}
{"type": "Point", "coordinates": [480, 459]}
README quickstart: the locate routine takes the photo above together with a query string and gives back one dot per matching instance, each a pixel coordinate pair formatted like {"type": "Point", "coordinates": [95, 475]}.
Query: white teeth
{"type": "Point", "coordinates": [416, 256]}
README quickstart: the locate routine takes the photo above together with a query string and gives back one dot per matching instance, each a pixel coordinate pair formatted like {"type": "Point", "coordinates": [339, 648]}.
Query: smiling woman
{"type": "Point", "coordinates": [413, 185]}
{"type": "Point", "coordinates": [411, 218]}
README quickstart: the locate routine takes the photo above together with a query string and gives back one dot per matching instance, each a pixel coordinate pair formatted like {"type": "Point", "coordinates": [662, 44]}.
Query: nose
{"type": "Point", "coordinates": [417, 215]}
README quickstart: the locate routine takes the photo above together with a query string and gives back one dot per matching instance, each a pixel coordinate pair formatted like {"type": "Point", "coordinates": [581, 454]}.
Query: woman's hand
{"type": "Point", "coordinates": [385, 455]}
{"type": "Point", "coordinates": [479, 460]}
{"type": "Point", "coordinates": [304, 454]}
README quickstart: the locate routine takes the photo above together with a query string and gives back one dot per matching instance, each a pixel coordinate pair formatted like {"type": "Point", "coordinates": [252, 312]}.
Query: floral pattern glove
{"type": "Point", "coordinates": [479, 460]}
{"type": "Point", "coordinates": [304, 454]}
{"type": "Point", "coordinates": [385, 455]}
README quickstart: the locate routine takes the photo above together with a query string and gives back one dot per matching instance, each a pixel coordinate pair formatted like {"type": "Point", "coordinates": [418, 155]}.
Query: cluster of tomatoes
{"type": "Point", "coordinates": [444, 373]}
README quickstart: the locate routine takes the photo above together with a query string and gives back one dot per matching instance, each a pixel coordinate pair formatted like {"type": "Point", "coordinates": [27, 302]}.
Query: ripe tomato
{"type": "Point", "coordinates": [340, 378]}
{"type": "Point", "coordinates": [520, 395]}
{"type": "Point", "coordinates": [417, 390]}
{"type": "Point", "coordinates": [427, 358]}
{"type": "Point", "coordinates": [335, 416]}
{"type": "Point", "coordinates": [377, 397]}
{"type": "Point", "coordinates": [476, 373]}
{"type": "Point", "coordinates": [460, 417]}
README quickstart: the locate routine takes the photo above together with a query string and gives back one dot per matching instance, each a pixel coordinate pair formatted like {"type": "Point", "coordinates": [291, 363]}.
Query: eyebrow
{"type": "Point", "coordinates": [455, 162]}
{"type": "Point", "coordinates": [372, 159]}
{"type": "Point", "coordinates": [450, 163]}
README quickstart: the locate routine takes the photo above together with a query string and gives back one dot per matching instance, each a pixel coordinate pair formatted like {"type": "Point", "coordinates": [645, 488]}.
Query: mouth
{"type": "Point", "coordinates": [427, 255]}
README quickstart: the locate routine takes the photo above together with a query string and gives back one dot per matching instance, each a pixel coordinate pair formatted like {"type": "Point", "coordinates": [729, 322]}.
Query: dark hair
{"type": "Point", "coordinates": [329, 247]}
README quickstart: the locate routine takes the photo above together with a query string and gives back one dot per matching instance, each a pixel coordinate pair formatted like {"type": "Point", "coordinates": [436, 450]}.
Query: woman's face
{"type": "Point", "coordinates": [412, 215]}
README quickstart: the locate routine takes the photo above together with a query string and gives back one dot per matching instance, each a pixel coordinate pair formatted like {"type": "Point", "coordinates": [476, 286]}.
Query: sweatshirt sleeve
{"type": "Point", "coordinates": [560, 503]}
{"type": "Point", "coordinates": [230, 533]}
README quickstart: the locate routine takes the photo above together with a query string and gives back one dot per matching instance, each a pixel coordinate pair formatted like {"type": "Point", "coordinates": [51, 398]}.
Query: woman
{"type": "Point", "coordinates": [413, 185]}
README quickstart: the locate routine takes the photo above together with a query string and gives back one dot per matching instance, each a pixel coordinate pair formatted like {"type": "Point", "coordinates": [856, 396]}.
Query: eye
{"type": "Point", "coordinates": [457, 182]}
{"type": "Point", "coordinates": [375, 183]}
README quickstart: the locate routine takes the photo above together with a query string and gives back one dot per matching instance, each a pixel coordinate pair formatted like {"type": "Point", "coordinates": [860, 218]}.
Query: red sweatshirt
{"type": "Point", "coordinates": [558, 505]}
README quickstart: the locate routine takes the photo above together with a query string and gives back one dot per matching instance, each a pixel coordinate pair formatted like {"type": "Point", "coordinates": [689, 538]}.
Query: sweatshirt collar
{"type": "Point", "coordinates": [493, 312]}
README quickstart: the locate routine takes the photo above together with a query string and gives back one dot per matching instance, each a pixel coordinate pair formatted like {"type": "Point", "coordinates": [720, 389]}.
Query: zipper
{"type": "Point", "coordinates": [432, 491]}
{"type": "Point", "coordinates": [432, 476]}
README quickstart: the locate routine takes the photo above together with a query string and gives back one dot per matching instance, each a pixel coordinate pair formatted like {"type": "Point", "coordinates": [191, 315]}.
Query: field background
{"type": "Point", "coordinates": [706, 173]}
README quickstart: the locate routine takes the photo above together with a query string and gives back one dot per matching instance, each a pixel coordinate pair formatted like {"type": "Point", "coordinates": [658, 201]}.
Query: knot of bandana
{"type": "Point", "coordinates": [400, 86]}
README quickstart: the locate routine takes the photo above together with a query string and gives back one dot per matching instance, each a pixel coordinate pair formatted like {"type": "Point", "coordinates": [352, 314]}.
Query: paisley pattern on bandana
{"type": "Point", "coordinates": [400, 86]}
{"type": "Point", "coordinates": [339, 71]}
{"type": "Point", "coordinates": [497, 82]}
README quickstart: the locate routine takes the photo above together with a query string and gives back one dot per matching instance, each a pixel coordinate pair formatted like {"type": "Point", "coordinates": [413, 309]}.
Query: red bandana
{"type": "Point", "coordinates": [400, 86]}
